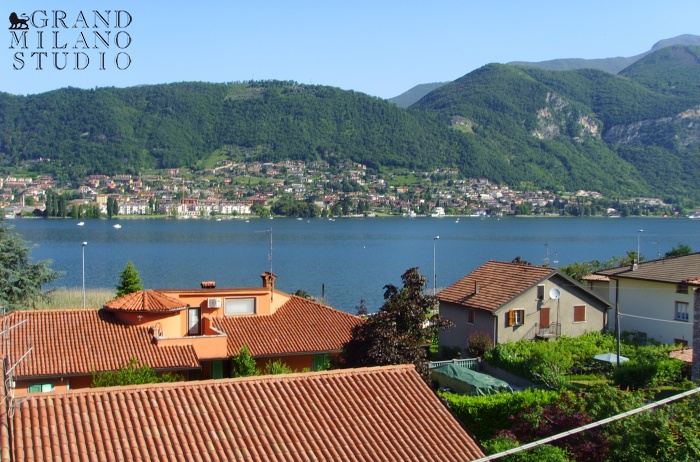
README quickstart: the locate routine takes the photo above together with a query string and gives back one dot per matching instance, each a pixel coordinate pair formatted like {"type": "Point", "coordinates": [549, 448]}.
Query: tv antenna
{"type": "Point", "coordinates": [269, 255]}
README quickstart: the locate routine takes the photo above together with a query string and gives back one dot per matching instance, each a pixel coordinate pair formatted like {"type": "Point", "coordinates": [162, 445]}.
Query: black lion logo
{"type": "Point", "coordinates": [17, 22]}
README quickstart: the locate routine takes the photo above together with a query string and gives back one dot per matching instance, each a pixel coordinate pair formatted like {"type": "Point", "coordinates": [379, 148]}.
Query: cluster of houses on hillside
{"type": "Point", "coordinates": [228, 190]}
{"type": "Point", "coordinates": [48, 411]}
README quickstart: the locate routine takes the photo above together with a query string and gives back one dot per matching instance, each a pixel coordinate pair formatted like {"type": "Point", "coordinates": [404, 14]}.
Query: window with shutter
{"type": "Point", "coordinates": [579, 313]}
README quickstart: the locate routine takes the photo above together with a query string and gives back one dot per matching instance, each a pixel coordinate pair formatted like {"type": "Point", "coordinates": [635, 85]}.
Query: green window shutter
{"type": "Point", "coordinates": [40, 387]}
{"type": "Point", "coordinates": [217, 369]}
{"type": "Point", "coordinates": [320, 361]}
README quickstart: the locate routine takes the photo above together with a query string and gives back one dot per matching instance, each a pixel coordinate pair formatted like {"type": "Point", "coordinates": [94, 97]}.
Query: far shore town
{"type": "Point", "coordinates": [254, 188]}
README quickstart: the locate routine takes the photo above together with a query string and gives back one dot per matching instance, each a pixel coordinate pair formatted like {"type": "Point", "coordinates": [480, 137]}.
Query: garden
{"type": "Point", "coordinates": [572, 390]}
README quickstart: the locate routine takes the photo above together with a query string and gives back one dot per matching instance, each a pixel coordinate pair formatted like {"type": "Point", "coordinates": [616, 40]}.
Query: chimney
{"type": "Point", "coordinates": [476, 288]}
{"type": "Point", "coordinates": [268, 280]}
{"type": "Point", "coordinates": [695, 368]}
{"type": "Point", "coordinates": [208, 284]}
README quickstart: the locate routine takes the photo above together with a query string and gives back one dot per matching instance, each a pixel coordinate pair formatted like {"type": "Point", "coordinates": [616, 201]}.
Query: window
{"type": "Point", "coordinates": [516, 318]}
{"type": "Point", "coordinates": [682, 289]}
{"type": "Point", "coordinates": [40, 387]}
{"type": "Point", "coordinates": [193, 326]}
{"type": "Point", "coordinates": [540, 292]}
{"type": "Point", "coordinates": [579, 313]}
{"type": "Point", "coordinates": [682, 311]}
{"type": "Point", "coordinates": [236, 306]}
{"type": "Point", "coordinates": [470, 315]}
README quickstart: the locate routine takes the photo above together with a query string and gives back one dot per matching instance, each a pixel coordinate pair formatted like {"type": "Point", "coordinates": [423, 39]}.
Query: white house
{"type": "Point", "coordinates": [654, 298]}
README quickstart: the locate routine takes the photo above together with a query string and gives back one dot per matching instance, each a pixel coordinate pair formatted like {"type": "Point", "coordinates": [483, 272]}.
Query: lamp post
{"type": "Point", "coordinates": [434, 269]}
{"type": "Point", "coordinates": [84, 244]}
{"type": "Point", "coordinates": [639, 233]}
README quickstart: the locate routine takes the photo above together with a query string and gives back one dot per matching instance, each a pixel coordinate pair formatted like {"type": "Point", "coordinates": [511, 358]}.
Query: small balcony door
{"type": "Point", "coordinates": [193, 324]}
{"type": "Point", "coordinates": [544, 319]}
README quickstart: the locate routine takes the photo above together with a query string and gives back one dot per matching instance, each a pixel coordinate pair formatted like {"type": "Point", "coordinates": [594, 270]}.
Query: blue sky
{"type": "Point", "coordinates": [381, 48]}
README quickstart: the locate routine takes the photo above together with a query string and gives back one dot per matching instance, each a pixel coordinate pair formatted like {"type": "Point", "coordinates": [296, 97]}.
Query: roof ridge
{"type": "Point", "coordinates": [295, 376]}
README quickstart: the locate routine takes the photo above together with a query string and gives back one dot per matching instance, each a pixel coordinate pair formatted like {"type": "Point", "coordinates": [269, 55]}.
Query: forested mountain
{"type": "Point", "coordinates": [640, 127]}
{"type": "Point", "coordinates": [632, 134]}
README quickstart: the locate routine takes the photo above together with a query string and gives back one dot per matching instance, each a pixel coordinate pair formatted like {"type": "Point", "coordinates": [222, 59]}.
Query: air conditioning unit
{"type": "Point", "coordinates": [214, 303]}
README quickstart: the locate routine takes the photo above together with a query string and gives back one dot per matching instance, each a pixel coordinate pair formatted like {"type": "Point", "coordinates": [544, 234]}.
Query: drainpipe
{"type": "Point", "coordinates": [695, 368]}
{"type": "Point", "coordinates": [617, 318]}
{"type": "Point", "coordinates": [495, 329]}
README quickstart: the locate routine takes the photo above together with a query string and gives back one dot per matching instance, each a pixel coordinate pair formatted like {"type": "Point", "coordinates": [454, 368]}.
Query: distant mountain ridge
{"type": "Point", "coordinates": [612, 65]}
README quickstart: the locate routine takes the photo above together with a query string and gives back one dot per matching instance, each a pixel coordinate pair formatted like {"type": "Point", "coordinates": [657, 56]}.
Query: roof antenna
{"type": "Point", "coordinates": [269, 256]}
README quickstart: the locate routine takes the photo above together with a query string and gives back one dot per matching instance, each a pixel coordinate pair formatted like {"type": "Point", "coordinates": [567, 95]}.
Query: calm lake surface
{"type": "Point", "coordinates": [351, 258]}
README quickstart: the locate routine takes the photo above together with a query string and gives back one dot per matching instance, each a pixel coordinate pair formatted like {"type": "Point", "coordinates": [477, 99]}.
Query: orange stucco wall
{"type": "Point", "coordinates": [296, 363]}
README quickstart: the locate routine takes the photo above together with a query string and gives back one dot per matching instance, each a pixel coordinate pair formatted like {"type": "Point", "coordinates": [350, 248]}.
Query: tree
{"type": "Point", "coordinates": [20, 279]}
{"type": "Point", "coordinates": [679, 251]}
{"type": "Point", "coordinates": [129, 280]}
{"type": "Point", "coordinates": [243, 364]}
{"type": "Point", "coordinates": [132, 374]}
{"type": "Point", "coordinates": [400, 332]}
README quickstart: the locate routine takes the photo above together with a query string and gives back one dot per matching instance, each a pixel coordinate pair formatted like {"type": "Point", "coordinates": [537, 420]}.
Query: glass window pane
{"type": "Point", "coordinates": [234, 306]}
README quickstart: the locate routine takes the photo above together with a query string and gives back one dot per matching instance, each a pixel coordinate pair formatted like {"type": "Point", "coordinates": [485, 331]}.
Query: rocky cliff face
{"type": "Point", "coordinates": [683, 130]}
{"type": "Point", "coordinates": [559, 117]}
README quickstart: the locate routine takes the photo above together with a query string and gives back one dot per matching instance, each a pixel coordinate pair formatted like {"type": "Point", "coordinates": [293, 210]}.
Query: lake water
{"type": "Point", "coordinates": [348, 259]}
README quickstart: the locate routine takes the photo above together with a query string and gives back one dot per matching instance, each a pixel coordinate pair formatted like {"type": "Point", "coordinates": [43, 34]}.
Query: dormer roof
{"type": "Point", "coordinates": [145, 301]}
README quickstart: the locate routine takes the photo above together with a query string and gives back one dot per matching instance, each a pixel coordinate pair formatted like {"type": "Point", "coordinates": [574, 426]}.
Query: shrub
{"type": "Point", "coordinates": [544, 453]}
{"type": "Point", "coordinates": [486, 415]}
{"type": "Point", "coordinates": [479, 342]}
{"type": "Point", "coordinates": [243, 364]}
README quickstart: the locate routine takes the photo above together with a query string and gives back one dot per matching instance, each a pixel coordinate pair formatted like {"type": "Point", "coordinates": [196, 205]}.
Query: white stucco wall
{"type": "Point", "coordinates": [656, 301]}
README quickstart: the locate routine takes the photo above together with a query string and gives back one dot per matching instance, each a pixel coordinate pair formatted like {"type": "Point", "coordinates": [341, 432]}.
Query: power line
{"type": "Point", "coordinates": [599, 423]}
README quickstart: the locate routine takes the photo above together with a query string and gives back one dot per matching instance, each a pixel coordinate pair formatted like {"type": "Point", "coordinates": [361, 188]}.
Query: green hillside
{"type": "Point", "coordinates": [632, 134]}
{"type": "Point", "coordinates": [583, 124]}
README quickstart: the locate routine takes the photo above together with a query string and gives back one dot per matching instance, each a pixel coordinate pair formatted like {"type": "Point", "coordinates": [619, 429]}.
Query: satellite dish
{"type": "Point", "coordinates": [554, 293]}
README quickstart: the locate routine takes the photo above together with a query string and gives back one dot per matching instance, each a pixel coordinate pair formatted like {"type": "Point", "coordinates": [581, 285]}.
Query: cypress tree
{"type": "Point", "coordinates": [129, 280]}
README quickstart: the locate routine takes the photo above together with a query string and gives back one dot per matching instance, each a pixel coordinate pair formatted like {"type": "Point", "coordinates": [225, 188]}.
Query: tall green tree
{"type": "Point", "coordinates": [400, 332]}
{"type": "Point", "coordinates": [20, 279]}
{"type": "Point", "coordinates": [129, 280]}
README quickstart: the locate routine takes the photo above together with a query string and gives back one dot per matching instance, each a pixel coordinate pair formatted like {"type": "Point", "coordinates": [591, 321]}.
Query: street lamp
{"type": "Point", "coordinates": [639, 233]}
{"type": "Point", "coordinates": [84, 244]}
{"type": "Point", "coordinates": [434, 270]}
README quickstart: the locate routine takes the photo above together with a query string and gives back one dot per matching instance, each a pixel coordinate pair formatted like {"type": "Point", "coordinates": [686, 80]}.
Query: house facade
{"type": "Point", "coordinates": [654, 298]}
{"type": "Point", "coordinates": [190, 332]}
{"type": "Point", "coordinates": [515, 301]}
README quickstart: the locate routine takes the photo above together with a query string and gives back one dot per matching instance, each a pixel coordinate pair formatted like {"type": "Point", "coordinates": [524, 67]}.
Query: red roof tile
{"type": "Point", "coordinates": [145, 300]}
{"type": "Point", "coordinates": [497, 282]}
{"type": "Point", "coordinates": [372, 414]}
{"type": "Point", "coordinates": [684, 269]}
{"type": "Point", "coordinates": [78, 342]}
{"type": "Point", "coordinates": [298, 326]}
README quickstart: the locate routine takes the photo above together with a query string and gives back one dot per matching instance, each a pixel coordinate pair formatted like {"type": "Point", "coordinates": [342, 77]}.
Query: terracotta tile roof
{"type": "Point", "coordinates": [685, 269]}
{"type": "Point", "coordinates": [78, 342]}
{"type": "Point", "coordinates": [498, 283]}
{"type": "Point", "coordinates": [298, 326]}
{"type": "Point", "coordinates": [386, 414]}
{"type": "Point", "coordinates": [145, 300]}
{"type": "Point", "coordinates": [684, 354]}
{"type": "Point", "coordinates": [595, 277]}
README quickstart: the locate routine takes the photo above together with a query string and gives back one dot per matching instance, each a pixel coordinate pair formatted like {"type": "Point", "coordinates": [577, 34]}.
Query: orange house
{"type": "Point", "coordinates": [192, 332]}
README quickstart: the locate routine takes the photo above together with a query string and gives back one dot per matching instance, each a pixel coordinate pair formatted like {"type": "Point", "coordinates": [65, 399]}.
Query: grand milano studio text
{"type": "Point", "coordinates": [57, 40]}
